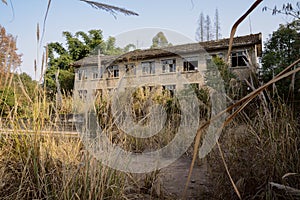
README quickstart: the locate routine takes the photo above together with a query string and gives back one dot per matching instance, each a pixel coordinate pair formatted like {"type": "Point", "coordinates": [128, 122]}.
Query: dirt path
{"type": "Point", "coordinates": [174, 177]}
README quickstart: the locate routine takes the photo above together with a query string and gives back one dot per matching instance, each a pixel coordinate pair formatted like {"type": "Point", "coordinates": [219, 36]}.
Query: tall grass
{"type": "Point", "coordinates": [38, 164]}
{"type": "Point", "coordinates": [52, 168]}
{"type": "Point", "coordinates": [261, 148]}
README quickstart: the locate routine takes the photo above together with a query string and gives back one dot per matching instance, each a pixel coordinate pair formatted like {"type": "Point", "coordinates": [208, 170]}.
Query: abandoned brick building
{"type": "Point", "coordinates": [102, 74]}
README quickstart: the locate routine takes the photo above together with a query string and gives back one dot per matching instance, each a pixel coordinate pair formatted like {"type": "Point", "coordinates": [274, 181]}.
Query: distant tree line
{"type": "Point", "coordinates": [206, 30]}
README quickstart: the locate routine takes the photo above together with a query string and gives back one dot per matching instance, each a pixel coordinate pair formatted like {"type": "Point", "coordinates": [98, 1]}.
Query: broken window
{"type": "Point", "coordinates": [239, 59]}
{"type": "Point", "coordinates": [130, 69]}
{"type": "Point", "coordinates": [113, 71]}
{"type": "Point", "coordinates": [168, 65]}
{"type": "Point", "coordinates": [190, 65]}
{"type": "Point", "coordinates": [148, 67]}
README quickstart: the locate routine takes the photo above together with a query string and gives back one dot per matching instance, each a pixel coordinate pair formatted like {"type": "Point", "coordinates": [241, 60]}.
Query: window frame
{"type": "Point", "coordinates": [167, 66]}
{"type": "Point", "coordinates": [148, 67]}
{"type": "Point", "coordinates": [238, 57]}
{"type": "Point", "coordinates": [113, 71]}
{"type": "Point", "coordinates": [130, 69]}
{"type": "Point", "coordinates": [187, 65]}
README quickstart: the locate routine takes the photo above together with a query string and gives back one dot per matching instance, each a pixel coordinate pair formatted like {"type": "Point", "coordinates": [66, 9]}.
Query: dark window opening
{"type": "Point", "coordinates": [239, 59]}
{"type": "Point", "coordinates": [113, 71]}
{"type": "Point", "coordinates": [190, 65]}
{"type": "Point", "coordinates": [79, 75]}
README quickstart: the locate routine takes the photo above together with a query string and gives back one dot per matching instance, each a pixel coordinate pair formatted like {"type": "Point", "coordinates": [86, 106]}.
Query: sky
{"type": "Point", "coordinates": [176, 18]}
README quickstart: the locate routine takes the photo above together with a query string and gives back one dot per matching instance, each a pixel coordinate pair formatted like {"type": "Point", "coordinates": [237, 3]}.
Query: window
{"type": "Point", "coordinates": [168, 65]}
{"type": "Point", "coordinates": [191, 65]}
{"type": "Point", "coordinates": [170, 88]}
{"type": "Point", "coordinates": [113, 71]}
{"type": "Point", "coordinates": [130, 69]}
{"type": "Point", "coordinates": [239, 59]}
{"type": "Point", "coordinates": [97, 73]}
{"type": "Point", "coordinates": [82, 94]}
{"type": "Point", "coordinates": [148, 67]}
{"type": "Point", "coordinates": [81, 75]}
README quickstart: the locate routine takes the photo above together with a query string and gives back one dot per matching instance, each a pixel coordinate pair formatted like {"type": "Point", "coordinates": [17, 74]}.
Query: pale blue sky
{"type": "Point", "coordinates": [175, 15]}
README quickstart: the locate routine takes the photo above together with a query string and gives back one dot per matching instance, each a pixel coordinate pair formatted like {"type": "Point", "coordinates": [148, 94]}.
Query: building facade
{"type": "Point", "coordinates": [169, 68]}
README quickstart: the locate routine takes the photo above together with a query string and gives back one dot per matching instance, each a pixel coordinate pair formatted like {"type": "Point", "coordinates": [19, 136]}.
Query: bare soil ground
{"type": "Point", "coordinates": [170, 183]}
{"type": "Point", "coordinates": [174, 178]}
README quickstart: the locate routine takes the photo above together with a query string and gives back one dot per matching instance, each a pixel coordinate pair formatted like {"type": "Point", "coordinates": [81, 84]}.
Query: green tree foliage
{"type": "Point", "coordinates": [9, 62]}
{"type": "Point", "coordinates": [281, 49]}
{"type": "Point", "coordinates": [110, 47]}
{"type": "Point", "coordinates": [7, 101]}
{"type": "Point", "coordinates": [160, 40]}
{"type": "Point", "coordinates": [62, 56]}
{"type": "Point", "coordinates": [16, 98]}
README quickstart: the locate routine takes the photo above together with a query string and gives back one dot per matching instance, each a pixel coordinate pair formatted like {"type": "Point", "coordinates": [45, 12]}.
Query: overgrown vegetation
{"type": "Point", "coordinates": [260, 147]}
{"type": "Point", "coordinates": [78, 45]}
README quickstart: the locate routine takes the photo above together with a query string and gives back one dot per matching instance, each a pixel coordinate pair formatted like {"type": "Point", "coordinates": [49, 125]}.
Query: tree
{"type": "Point", "coordinates": [129, 47]}
{"type": "Point", "coordinates": [9, 61]}
{"type": "Point", "coordinates": [217, 25]}
{"type": "Point", "coordinates": [287, 9]}
{"type": "Point", "coordinates": [208, 29]}
{"type": "Point", "coordinates": [77, 46]}
{"type": "Point", "coordinates": [205, 31]}
{"type": "Point", "coordinates": [282, 49]}
{"type": "Point", "coordinates": [200, 29]}
{"type": "Point", "coordinates": [111, 48]}
{"type": "Point", "coordinates": [62, 56]}
{"type": "Point", "coordinates": [9, 58]}
{"type": "Point", "coordinates": [160, 40]}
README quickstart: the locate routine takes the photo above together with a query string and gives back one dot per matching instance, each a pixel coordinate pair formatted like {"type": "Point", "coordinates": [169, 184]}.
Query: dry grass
{"type": "Point", "coordinates": [43, 167]}
{"type": "Point", "coordinates": [259, 151]}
